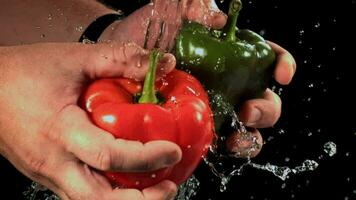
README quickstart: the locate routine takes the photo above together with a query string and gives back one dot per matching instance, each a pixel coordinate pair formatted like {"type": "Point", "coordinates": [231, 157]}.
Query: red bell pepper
{"type": "Point", "coordinates": [183, 117]}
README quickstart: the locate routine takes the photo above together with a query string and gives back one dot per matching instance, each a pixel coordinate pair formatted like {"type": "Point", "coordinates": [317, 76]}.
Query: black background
{"type": "Point", "coordinates": [318, 106]}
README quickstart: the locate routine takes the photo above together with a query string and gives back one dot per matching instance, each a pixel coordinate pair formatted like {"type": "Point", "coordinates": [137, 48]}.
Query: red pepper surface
{"type": "Point", "coordinates": [184, 117]}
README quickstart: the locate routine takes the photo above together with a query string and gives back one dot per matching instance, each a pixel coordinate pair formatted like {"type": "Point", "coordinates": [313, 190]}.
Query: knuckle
{"type": "Point", "coordinates": [104, 159]}
{"type": "Point", "coordinates": [145, 163]}
{"type": "Point", "coordinates": [36, 165]}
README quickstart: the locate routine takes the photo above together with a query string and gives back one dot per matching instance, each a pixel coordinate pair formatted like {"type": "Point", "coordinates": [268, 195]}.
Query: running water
{"type": "Point", "coordinates": [219, 164]}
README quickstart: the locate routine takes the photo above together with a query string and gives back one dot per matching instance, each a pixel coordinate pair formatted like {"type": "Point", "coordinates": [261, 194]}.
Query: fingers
{"type": "Point", "coordinates": [205, 12]}
{"type": "Point", "coordinates": [166, 190]}
{"type": "Point", "coordinates": [78, 181]}
{"type": "Point", "coordinates": [100, 150]}
{"type": "Point", "coordinates": [244, 145]}
{"type": "Point", "coordinates": [156, 192]}
{"type": "Point", "coordinates": [261, 113]}
{"type": "Point", "coordinates": [118, 59]}
{"type": "Point", "coordinates": [286, 65]}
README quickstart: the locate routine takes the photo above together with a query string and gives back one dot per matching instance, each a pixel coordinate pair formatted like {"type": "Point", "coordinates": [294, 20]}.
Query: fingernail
{"type": "Point", "coordinates": [254, 117]}
{"type": "Point", "coordinates": [166, 63]}
{"type": "Point", "coordinates": [167, 58]}
{"type": "Point", "coordinates": [173, 158]}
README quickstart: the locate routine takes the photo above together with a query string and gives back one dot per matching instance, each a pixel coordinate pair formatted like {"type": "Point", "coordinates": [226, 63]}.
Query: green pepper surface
{"type": "Point", "coordinates": [233, 64]}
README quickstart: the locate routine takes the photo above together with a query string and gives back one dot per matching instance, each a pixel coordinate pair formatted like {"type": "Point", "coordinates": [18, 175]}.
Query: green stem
{"type": "Point", "coordinates": [148, 92]}
{"type": "Point", "coordinates": [230, 27]}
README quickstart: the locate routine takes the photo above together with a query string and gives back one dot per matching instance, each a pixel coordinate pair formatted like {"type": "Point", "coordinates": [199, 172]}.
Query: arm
{"type": "Point", "coordinates": [25, 21]}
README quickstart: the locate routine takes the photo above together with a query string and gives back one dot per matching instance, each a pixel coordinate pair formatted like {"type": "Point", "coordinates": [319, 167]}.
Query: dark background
{"type": "Point", "coordinates": [318, 106]}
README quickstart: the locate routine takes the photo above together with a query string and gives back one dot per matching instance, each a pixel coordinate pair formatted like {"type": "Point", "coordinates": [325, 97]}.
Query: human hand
{"type": "Point", "coordinates": [47, 137]}
{"type": "Point", "coordinates": [263, 112]}
{"type": "Point", "coordinates": [156, 24]}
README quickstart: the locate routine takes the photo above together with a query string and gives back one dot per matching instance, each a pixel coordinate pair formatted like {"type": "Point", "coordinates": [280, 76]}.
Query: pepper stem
{"type": "Point", "coordinates": [230, 27]}
{"type": "Point", "coordinates": [148, 92]}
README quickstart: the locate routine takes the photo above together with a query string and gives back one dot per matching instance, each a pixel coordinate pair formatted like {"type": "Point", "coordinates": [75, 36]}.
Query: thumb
{"type": "Point", "coordinates": [205, 12]}
{"type": "Point", "coordinates": [119, 59]}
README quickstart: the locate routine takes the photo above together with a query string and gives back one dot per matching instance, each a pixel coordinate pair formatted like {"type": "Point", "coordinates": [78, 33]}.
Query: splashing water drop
{"type": "Point", "coordinates": [284, 171]}
{"type": "Point", "coordinates": [280, 172]}
{"type": "Point", "coordinates": [330, 148]}
{"type": "Point", "coordinates": [87, 41]}
{"type": "Point", "coordinates": [36, 191]}
{"type": "Point", "coordinates": [79, 28]}
{"type": "Point", "coordinates": [188, 189]}
{"type": "Point", "coordinates": [317, 25]}
{"type": "Point", "coordinates": [301, 32]}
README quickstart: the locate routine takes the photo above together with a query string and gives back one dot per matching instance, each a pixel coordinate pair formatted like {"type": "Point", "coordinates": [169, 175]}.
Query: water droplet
{"type": "Point", "coordinates": [79, 28]}
{"type": "Point", "coordinates": [87, 41]}
{"type": "Point", "coordinates": [43, 35]}
{"type": "Point", "coordinates": [50, 17]}
{"type": "Point", "coordinates": [317, 25]}
{"type": "Point", "coordinates": [281, 131]}
{"type": "Point", "coordinates": [262, 32]}
{"type": "Point", "coordinates": [283, 186]}
{"type": "Point", "coordinates": [330, 148]}
{"type": "Point", "coordinates": [153, 175]}
{"type": "Point", "coordinates": [120, 12]}
{"type": "Point", "coordinates": [35, 190]}
{"type": "Point", "coordinates": [188, 189]}
{"type": "Point", "coordinates": [270, 138]}
{"type": "Point", "coordinates": [284, 171]}
{"type": "Point", "coordinates": [301, 32]}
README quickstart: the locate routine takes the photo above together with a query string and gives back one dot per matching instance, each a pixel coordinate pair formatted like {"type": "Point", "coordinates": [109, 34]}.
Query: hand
{"type": "Point", "coordinates": [156, 25]}
{"type": "Point", "coordinates": [205, 12]}
{"type": "Point", "coordinates": [47, 137]}
{"type": "Point", "coordinates": [264, 112]}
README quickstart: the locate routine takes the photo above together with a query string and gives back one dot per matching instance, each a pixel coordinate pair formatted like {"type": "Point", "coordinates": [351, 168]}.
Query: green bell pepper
{"type": "Point", "coordinates": [233, 64]}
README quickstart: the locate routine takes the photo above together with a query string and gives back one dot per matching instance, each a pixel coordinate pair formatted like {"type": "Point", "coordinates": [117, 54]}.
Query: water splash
{"type": "Point", "coordinates": [188, 189]}
{"type": "Point", "coordinates": [330, 148]}
{"type": "Point", "coordinates": [283, 172]}
{"type": "Point", "coordinates": [37, 191]}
